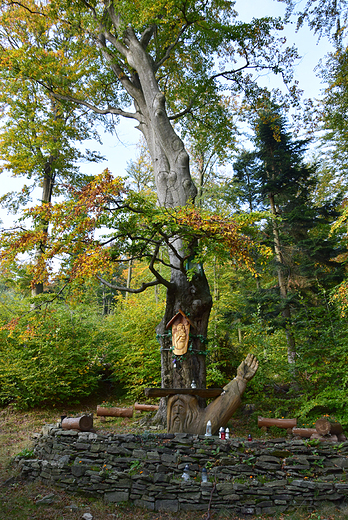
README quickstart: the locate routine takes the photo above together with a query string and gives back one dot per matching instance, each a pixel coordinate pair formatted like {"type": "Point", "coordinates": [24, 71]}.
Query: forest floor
{"type": "Point", "coordinates": [19, 500]}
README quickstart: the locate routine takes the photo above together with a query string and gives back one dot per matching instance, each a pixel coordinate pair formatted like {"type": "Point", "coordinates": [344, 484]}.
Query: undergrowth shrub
{"type": "Point", "coordinates": [51, 357]}
{"type": "Point", "coordinates": [133, 351]}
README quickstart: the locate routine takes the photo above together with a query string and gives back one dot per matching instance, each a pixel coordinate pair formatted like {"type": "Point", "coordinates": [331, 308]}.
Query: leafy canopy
{"type": "Point", "coordinates": [105, 222]}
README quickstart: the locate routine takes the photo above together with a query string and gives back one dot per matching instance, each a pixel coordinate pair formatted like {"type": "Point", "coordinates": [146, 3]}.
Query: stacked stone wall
{"type": "Point", "coordinates": [247, 477]}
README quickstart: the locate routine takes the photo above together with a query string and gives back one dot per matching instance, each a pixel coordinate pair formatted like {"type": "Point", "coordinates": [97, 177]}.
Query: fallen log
{"type": "Point", "coordinates": [146, 407]}
{"type": "Point", "coordinates": [83, 423]}
{"type": "Point", "coordinates": [304, 432]}
{"type": "Point", "coordinates": [112, 411]}
{"type": "Point", "coordinates": [279, 423]}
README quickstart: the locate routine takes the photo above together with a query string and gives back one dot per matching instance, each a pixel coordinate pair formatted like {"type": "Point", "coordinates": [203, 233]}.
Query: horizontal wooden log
{"type": "Point", "coordinates": [304, 432]}
{"type": "Point", "coordinates": [200, 392]}
{"type": "Point", "coordinates": [112, 411]}
{"type": "Point", "coordinates": [146, 407]}
{"type": "Point", "coordinates": [279, 423]}
{"type": "Point", "coordinates": [83, 423]}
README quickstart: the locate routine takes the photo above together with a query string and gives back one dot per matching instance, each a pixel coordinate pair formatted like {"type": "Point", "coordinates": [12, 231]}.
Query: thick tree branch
{"type": "Point", "coordinates": [118, 45]}
{"type": "Point", "coordinates": [160, 278]}
{"type": "Point", "coordinates": [114, 17]}
{"type": "Point", "coordinates": [123, 78]}
{"type": "Point", "coordinates": [102, 111]}
{"type": "Point", "coordinates": [121, 288]}
{"type": "Point", "coordinates": [147, 35]}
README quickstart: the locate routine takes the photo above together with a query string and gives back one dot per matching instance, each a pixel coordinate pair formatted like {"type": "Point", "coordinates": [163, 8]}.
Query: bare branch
{"type": "Point", "coordinates": [91, 8]}
{"type": "Point", "coordinates": [26, 8]}
{"type": "Point", "coordinates": [170, 48]}
{"type": "Point", "coordinates": [143, 287]}
{"type": "Point", "coordinates": [183, 112]}
{"type": "Point", "coordinates": [102, 111]}
{"type": "Point", "coordinates": [154, 271]}
{"type": "Point", "coordinates": [234, 71]}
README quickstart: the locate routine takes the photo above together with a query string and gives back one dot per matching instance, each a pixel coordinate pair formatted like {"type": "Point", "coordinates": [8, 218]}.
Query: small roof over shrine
{"type": "Point", "coordinates": [178, 316]}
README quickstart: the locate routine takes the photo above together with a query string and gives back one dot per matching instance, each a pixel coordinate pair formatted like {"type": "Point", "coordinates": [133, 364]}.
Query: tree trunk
{"type": "Point", "coordinates": [47, 187]}
{"type": "Point", "coordinates": [194, 299]}
{"type": "Point", "coordinates": [174, 188]}
{"type": "Point", "coordinates": [282, 282]}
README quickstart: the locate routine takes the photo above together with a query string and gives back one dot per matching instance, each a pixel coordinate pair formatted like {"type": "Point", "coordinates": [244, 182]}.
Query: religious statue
{"type": "Point", "coordinates": [180, 333]}
{"type": "Point", "coordinates": [185, 415]}
{"type": "Point", "coordinates": [179, 340]}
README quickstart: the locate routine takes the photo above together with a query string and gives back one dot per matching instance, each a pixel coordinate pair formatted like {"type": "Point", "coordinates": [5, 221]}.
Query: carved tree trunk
{"type": "Point", "coordinates": [174, 188]}
{"type": "Point", "coordinates": [136, 70]}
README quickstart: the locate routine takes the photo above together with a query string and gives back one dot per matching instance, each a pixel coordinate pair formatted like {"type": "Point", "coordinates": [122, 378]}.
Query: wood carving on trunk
{"type": "Point", "coordinates": [185, 413]}
{"type": "Point", "coordinates": [180, 333]}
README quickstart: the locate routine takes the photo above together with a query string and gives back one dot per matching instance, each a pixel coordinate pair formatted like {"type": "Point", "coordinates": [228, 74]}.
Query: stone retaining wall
{"type": "Point", "coordinates": [248, 477]}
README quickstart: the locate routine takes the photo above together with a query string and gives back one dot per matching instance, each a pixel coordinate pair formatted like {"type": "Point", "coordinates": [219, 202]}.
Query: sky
{"type": "Point", "coordinates": [121, 149]}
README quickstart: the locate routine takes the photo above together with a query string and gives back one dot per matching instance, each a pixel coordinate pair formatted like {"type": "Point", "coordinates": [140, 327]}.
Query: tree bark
{"type": "Point", "coordinates": [47, 188]}
{"type": "Point", "coordinates": [282, 283]}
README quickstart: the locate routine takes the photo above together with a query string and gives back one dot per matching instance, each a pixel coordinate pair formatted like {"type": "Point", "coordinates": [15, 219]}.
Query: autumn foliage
{"type": "Point", "coordinates": [105, 223]}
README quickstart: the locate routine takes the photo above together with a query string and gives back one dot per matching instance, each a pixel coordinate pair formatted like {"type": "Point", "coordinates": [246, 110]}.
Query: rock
{"type": "Point", "coordinates": [87, 516]}
{"type": "Point", "coordinates": [8, 482]}
{"type": "Point", "coordinates": [72, 507]}
{"type": "Point", "coordinates": [48, 499]}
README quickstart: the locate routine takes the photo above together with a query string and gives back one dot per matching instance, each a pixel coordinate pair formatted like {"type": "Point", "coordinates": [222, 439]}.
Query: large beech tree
{"type": "Point", "coordinates": [154, 62]}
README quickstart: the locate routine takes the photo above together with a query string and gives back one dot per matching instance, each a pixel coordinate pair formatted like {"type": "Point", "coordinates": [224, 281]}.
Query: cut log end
{"type": "Point", "coordinates": [323, 426]}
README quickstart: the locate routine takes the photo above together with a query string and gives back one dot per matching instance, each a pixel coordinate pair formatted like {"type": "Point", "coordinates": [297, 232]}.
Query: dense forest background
{"type": "Point", "coordinates": [269, 224]}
